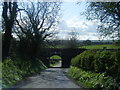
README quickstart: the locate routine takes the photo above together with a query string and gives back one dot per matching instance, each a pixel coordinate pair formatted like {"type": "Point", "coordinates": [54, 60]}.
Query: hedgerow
{"type": "Point", "coordinates": [98, 61]}
{"type": "Point", "coordinates": [103, 61]}
{"type": "Point", "coordinates": [15, 70]}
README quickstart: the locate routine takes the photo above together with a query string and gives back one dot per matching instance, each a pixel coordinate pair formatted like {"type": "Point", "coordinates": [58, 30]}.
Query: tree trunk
{"type": "Point", "coordinates": [9, 14]}
{"type": "Point", "coordinates": [6, 42]}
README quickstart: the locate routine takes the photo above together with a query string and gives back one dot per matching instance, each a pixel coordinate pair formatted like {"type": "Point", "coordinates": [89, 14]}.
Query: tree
{"type": "Point", "coordinates": [87, 42]}
{"type": "Point", "coordinates": [9, 14]}
{"type": "Point", "coordinates": [36, 23]}
{"type": "Point", "coordinates": [72, 42]}
{"type": "Point", "coordinates": [108, 13]}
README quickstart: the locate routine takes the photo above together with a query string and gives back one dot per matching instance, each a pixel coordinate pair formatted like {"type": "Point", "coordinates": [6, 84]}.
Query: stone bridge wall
{"type": "Point", "coordinates": [65, 54]}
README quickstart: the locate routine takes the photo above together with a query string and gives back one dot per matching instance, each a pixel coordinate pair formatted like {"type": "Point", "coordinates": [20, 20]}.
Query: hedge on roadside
{"type": "Point", "coordinates": [84, 60]}
{"type": "Point", "coordinates": [15, 70]}
{"type": "Point", "coordinates": [102, 61]}
{"type": "Point", "coordinates": [99, 61]}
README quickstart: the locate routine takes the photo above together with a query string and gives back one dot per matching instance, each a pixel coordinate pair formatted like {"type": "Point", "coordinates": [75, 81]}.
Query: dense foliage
{"type": "Point", "coordinates": [98, 61]}
{"type": "Point", "coordinates": [31, 24]}
{"type": "Point", "coordinates": [15, 70]}
{"type": "Point", "coordinates": [102, 61]}
{"type": "Point", "coordinates": [93, 80]}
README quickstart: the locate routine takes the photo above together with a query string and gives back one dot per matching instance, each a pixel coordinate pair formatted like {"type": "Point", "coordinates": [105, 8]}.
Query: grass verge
{"type": "Point", "coordinates": [92, 80]}
{"type": "Point", "coordinates": [15, 70]}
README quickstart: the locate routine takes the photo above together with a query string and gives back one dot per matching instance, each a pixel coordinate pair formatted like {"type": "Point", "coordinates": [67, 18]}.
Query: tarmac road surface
{"type": "Point", "coordinates": [49, 78]}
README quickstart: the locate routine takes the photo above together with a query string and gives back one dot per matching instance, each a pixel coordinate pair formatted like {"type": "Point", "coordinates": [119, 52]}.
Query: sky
{"type": "Point", "coordinates": [72, 21]}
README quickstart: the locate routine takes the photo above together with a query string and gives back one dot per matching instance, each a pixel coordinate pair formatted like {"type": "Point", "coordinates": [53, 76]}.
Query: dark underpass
{"type": "Point", "coordinates": [64, 53]}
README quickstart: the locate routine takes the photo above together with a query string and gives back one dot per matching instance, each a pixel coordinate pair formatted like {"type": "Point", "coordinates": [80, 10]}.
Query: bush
{"type": "Point", "coordinates": [84, 60]}
{"type": "Point", "coordinates": [114, 68]}
{"type": "Point", "coordinates": [108, 62]}
{"type": "Point", "coordinates": [99, 61]}
{"type": "Point", "coordinates": [15, 70]}
{"type": "Point", "coordinates": [76, 61]}
{"type": "Point", "coordinates": [93, 80]}
{"type": "Point", "coordinates": [102, 61]}
{"type": "Point", "coordinates": [87, 59]}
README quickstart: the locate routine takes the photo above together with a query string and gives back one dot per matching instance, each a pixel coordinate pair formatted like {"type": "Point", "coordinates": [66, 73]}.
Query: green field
{"type": "Point", "coordinates": [55, 57]}
{"type": "Point", "coordinates": [110, 46]}
{"type": "Point", "coordinates": [58, 46]}
{"type": "Point", "coordinates": [53, 62]}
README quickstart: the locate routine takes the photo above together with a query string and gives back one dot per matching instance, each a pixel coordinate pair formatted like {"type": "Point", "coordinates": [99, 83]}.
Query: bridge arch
{"type": "Point", "coordinates": [65, 53]}
{"type": "Point", "coordinates": [55, 57]}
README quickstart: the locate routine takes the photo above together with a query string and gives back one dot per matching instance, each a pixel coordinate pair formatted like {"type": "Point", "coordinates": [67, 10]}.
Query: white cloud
{"type": "Point", "coordinates": [63, 25]}
{"type": "Point", "coordinates": [86, 29]}
{"type": "Point", "coordinates": [74, 22]}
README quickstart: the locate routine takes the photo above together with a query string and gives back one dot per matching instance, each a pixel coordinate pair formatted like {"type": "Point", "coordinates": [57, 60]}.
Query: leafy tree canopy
{"type": "Point", "coordinates": [108, 13]}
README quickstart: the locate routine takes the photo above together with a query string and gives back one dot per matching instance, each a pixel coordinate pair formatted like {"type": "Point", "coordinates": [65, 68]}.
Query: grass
{"type": "Point", "coordinates": [110, 46]}
{"type": "Point", "coordinates": [96, 81]}
{"type": "Point", "coordinates": [55, 57]}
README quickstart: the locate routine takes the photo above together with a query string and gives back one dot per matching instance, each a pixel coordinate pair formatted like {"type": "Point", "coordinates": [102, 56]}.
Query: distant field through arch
{"type": "Point", "coordinates": [65, 53]}
{"type": "Point", "coordinates": [55, 61]}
